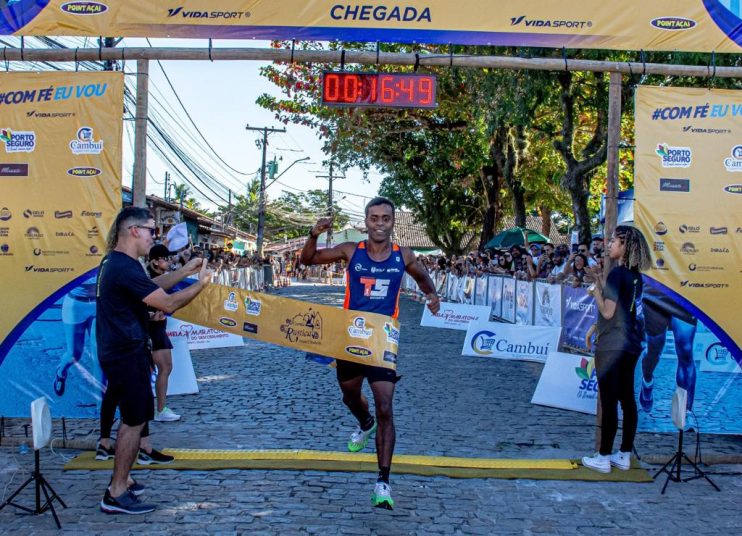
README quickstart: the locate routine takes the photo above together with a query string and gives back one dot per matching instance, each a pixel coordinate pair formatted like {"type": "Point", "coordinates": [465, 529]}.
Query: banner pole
{"type": "Point", "coordinates": [139, 179]}
{"type": "Point", "coordinates": [611, 197]}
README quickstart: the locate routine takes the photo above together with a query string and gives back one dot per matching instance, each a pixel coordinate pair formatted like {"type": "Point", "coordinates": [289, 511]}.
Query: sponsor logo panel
{"type": "Point", "coordinates": [674, 185]}
{"type": "Point", "coordinates": [674, 157]}
{"type": "Point", "coordinates": [13, 170]}
{"type": "Point", "coordinates": [85, 142]}
{"type": "Point", "coordinates": [226, 321]}
{"type": "Point", "coordinates": [673, 23]}
{"type": "Point", "coordinates": [18, 141]}
{"type": "Point", "coordinates": [734, 163]}
{"type": "Point", "coordinates": [84, 8]}
{"type": "Point", "coordinates": [358, 351]}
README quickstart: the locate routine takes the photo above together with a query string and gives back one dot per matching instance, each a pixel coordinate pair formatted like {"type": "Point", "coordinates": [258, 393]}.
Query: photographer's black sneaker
{"type": "Point", "coordinates": [153, 457]}
{"type": "Point", "coordinates": [103, 453]}
{"type": "Point", "coordinates": [126, 503]}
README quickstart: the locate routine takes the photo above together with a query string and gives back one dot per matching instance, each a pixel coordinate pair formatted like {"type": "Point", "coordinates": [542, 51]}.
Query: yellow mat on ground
{"type": "Point", "coordinates": [308, 460]}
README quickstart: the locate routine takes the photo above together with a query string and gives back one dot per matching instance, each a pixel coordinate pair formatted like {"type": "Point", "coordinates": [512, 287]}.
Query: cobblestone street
{"type": "Point", "coordinates": [266, 397]}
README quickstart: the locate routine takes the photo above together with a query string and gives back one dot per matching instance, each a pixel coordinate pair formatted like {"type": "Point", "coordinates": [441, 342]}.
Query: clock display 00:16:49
{"type": "Point", "coordinates": [379, 89]}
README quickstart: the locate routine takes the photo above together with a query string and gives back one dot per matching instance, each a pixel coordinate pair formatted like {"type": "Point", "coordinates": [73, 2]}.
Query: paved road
{"type": "Point", "coordinates": [261, 396]}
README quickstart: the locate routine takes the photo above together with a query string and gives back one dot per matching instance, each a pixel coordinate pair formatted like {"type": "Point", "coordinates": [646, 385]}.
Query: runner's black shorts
{"type": "Point", "coordinates": [129, 380]}
{"type": "Point", "coordinates": [347, 370]}
{"type": "Point", "coordinates": [158, 336]}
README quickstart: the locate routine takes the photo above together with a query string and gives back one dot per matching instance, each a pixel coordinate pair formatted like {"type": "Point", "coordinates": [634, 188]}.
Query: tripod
{"type": "Point", "coordinates": [41, 485]}
{"type": "Point", "coordinates": [674, 463]}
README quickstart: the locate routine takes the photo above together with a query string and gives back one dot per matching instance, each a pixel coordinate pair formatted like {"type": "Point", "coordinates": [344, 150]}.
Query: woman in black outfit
{"type": "Point", "coordinates": [620, 336]}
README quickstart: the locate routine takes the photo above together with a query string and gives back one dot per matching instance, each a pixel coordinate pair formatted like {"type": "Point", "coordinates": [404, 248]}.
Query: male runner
{"type": "Point", "coordinates": [375, 270]}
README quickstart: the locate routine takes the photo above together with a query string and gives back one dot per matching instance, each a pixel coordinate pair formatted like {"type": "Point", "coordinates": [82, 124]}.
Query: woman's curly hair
{"type": "Point", "coordinates": [637, 255]}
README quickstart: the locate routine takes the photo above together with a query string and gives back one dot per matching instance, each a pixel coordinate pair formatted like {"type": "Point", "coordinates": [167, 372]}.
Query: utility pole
{"type": "Point", "coordinates": [167, 186]}
{"type": "Point", "coordinates": [261, 201]}
{"type": "Point", "coordinates": [330, 205]}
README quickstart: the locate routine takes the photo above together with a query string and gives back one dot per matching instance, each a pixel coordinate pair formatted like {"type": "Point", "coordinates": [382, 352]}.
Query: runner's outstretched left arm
{"type": "Point", "coordinates": [421, 277]}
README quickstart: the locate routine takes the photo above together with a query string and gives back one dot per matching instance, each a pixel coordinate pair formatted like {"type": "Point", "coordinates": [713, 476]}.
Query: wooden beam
{"type": "Point", "coordinates": [364, 58]}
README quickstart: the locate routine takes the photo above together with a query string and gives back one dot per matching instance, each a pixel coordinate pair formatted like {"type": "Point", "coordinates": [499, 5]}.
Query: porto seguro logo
{"type": "Point", "coordinates": [253, 306]}
{"type": "Point", "coordinates": [674, 157]}
{"type": "Point", "coordinates": [18, 141]}
{"type": "Point", "coordinates": [392, 333]}
{"type": "Point", "coordinates": [588, 379]}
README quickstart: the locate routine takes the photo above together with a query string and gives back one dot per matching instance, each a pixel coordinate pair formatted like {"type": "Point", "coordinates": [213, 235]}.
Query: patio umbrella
{"type": "Point", "coordinates": [514, 237]}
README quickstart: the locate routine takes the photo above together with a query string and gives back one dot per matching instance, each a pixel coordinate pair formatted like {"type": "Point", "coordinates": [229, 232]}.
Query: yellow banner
{"type": "Point", "coordinates": [357, 336]}
{"type": "Point", "coordinates": [60, 186]}
{"type": "Point", "coordinates": [688, 187]}
{"type": "Point", "coordinates": [691, 25]}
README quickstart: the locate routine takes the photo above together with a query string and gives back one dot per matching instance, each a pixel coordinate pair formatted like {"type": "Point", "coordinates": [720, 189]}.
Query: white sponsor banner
{"type": "Point", "coordinates": [508, 300]}
{"type": "Point", "coordinates": [480, 297]}
{"type": "Point", "coordinates": [182, 379]}
{"type": "Point", "coordinates": [524, 303]}
{"type": "Point", "coordinates": [506, 341]}
{"type": "Point", "coordinates": [548, 304]}
{"type": "Point", "coordinates": [568, 381]}
{"type": "Point", "coordinates": [200, 337]}
{"type": "Point", "coordinates": [495, 295]}
{"type": "Point", "coordinates": [455, 316]}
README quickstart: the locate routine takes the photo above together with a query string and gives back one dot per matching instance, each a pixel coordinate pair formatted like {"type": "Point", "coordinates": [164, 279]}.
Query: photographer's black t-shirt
{"type": "Point", "coordinates": [625, 331]}
{"type": "Point", "coordinates": [121, 321]}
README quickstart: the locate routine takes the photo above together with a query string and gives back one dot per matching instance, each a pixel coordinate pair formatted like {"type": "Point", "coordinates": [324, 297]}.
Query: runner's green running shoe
{"type": "Point", "coordinates": [382, 497]}
{"type": "Point", "coordinates": [359, 439]}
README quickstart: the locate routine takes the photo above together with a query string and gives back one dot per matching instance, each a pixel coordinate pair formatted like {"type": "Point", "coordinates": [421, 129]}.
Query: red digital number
{"type": "Point", "coordinates": [425, 88]}
{"type": "Point", "coordinates": [332, 87]}
{"type": "Point", "coordinates": [406, 86]}
{"type": "Point", "coordinates": [350, 88]}
{"type": "Point", "coordinates": [387, 88]}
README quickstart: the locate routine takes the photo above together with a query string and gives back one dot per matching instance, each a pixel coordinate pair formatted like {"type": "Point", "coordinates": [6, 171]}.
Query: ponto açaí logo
{"type": "Point", "coordinates": [672, 23]}
{"type": "Point", "coordinates": [18, 141]}
{"type": "Point", "coordinates": [85, 142]}
{"type": "Point", "coordinates": [727, 14]}
{"type": "Point", "coordinates": [81, 7]}
{"type": "Point", "coordinates": [674, 157]}
{"type": "Point", "coordinates": [734, 163]}
{"type": "Point", "coordinates": [588, 379]}
{"type": "Point", "coordinates": [359, 330]}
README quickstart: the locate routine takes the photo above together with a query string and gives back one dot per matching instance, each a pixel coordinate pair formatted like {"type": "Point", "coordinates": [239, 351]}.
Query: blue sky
{"type": "Point", "coordinates": [220, 97]}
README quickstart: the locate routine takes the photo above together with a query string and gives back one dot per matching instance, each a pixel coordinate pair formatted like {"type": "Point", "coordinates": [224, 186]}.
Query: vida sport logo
{"type": "Point", "coordinates": [486, 343]}
{"type": "Point", "coordinates": [674, 157]}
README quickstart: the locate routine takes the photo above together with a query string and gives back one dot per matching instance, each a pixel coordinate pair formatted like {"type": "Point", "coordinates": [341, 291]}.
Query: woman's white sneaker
{"type": "Point", "coordinates": [167, 415]}
{"type": "Point", "coordinates": [621, 460]}
{"type": "Point", "coordinates": [598, 462]}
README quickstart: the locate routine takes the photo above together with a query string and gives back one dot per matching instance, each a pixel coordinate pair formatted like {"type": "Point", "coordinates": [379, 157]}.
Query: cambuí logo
{"type": "Point", "coordinates": [84, 8]}
{"type": "Point", "coordinates": [382, 13]}
{"type": "Point", "coordinates": [673, 23]}
{"type": "Point", "coordinates": [486, 342]}
{"type": "Point", "coordinates": [734, 163]}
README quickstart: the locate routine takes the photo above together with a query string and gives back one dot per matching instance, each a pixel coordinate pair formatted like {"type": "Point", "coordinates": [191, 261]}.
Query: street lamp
{"type": "Point", "coordinates": [287, 168]}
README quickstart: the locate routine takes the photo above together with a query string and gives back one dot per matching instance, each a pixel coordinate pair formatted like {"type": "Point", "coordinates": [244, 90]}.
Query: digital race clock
{"type": "Point", "coordinates": [379, 89]}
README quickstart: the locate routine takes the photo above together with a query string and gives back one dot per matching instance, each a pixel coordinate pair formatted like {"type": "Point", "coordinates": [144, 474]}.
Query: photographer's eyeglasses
{"type": "Point", "coordinates": [152, 230]}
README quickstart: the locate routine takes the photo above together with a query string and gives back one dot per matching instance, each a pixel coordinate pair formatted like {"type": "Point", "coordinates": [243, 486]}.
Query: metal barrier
{"type": "Point", "coordinates": [252, 278]}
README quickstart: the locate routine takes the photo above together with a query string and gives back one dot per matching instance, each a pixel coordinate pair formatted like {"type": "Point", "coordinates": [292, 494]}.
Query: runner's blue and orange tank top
{"type": "Point", "coordinates": [374, 286]}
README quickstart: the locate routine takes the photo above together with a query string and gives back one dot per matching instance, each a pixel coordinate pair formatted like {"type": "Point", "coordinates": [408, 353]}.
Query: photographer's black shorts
{"type": "Point", "coordinates": [158, 336]}
{"type": "Point", "coordinates": [129, 382]}
{"type": "Point", "coordinates": [347, 370]}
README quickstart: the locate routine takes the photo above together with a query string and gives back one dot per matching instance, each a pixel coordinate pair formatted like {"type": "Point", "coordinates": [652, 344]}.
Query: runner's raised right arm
{"type": "Point", "coordinates": [310, 255]}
